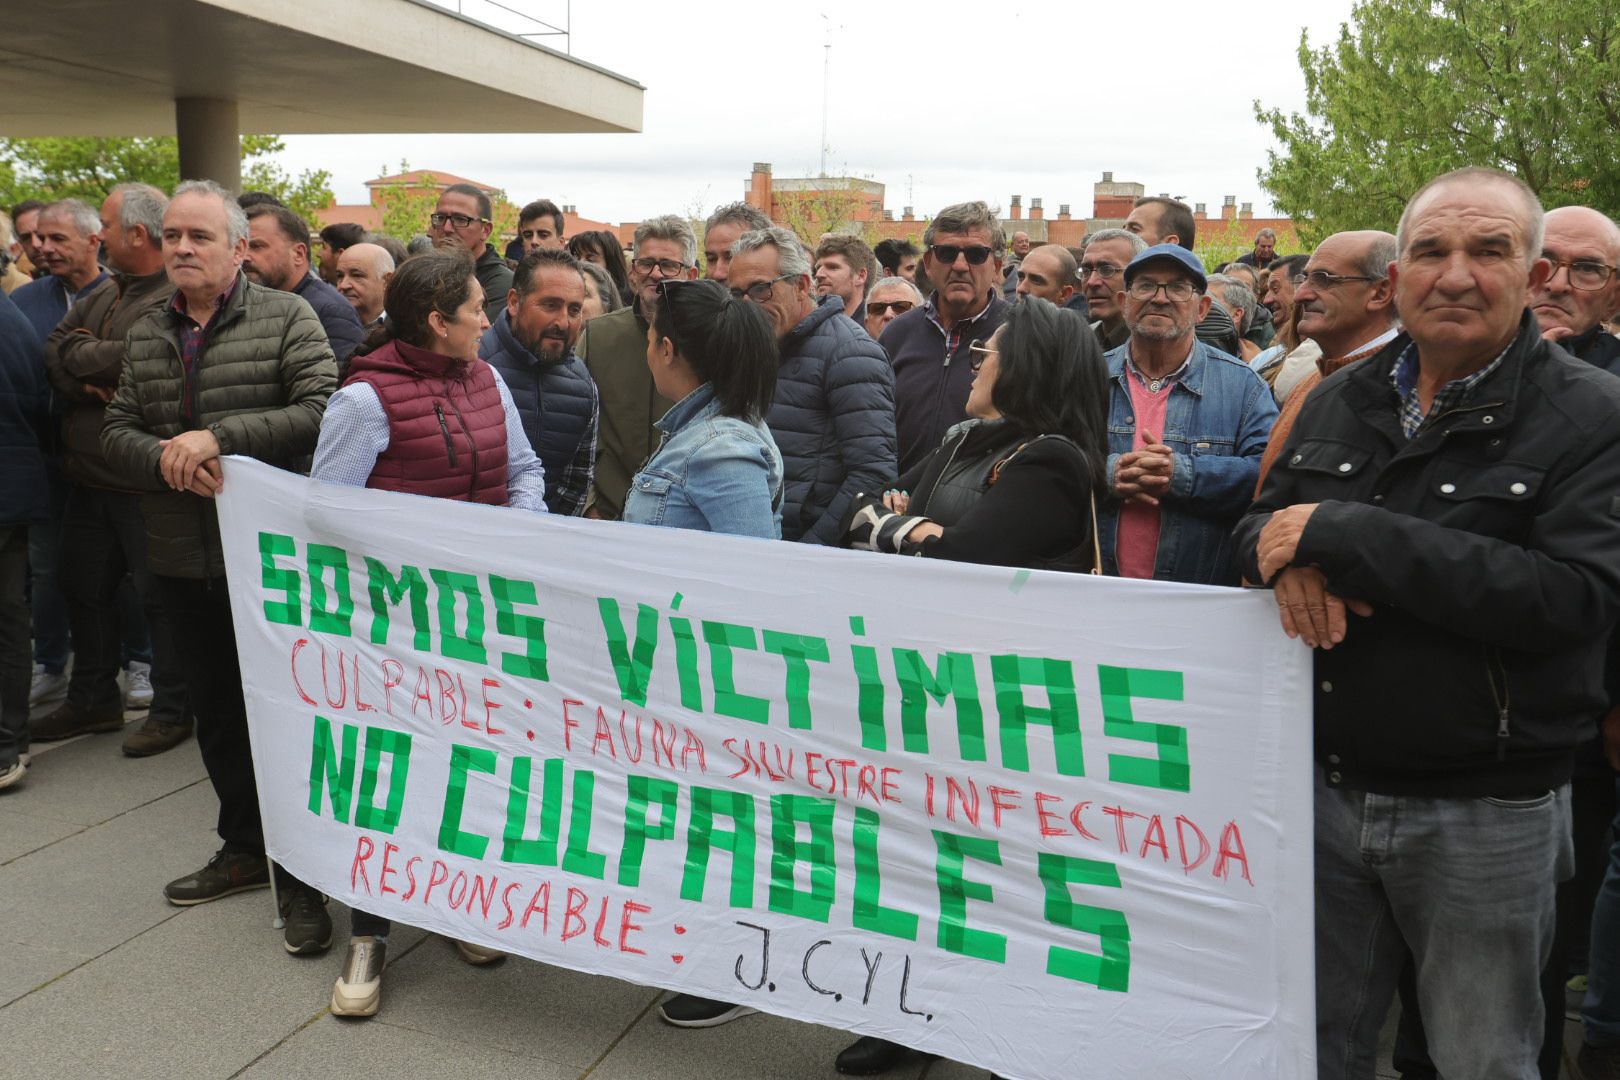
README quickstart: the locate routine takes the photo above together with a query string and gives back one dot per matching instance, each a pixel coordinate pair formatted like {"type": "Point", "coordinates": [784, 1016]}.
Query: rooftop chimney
{"type": "Point", "coordinates": [762, 166]}
{"type": "Point", "coordinates": [1017, 211]}
{"type": "Point", "coordinates": [1247, 211]}
{"type": "Point", "coordinates": [1035, 211]}
{"type": "Point", "coordinates": [1063, 211]}
{"type": "Point", "coordinates": [1108, 178]}
{"type": "Point", "coordinates": [1229, 200]}
{"type": "Point", "coordinates": [888, 215]}
{"type": "Point", "coordinates": [906, 215]}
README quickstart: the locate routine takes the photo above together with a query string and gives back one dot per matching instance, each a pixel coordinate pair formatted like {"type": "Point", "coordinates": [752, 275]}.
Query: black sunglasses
{"type": "Point", "coordinates": [976, 254]}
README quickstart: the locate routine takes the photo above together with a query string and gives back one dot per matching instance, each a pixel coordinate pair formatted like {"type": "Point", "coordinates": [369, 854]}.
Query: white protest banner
{"type": "Point", "coordinates": [1047, 824]}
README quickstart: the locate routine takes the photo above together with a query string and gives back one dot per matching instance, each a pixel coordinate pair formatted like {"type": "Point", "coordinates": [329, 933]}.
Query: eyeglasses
{"type": "Point", "coordinates": [460, 221]}
{"type": "Point", "coordinates": [1321, 279]}
{"type": "Point", "coordinates": [878, 307]}
{"type": "Point", "coordinates": [975, 254]}
{"type": "Point", "coordinates": [1178, 291]}
{"type": "Point", "coordinates": [979, 350]}
{"type": "Point", "coordinates": [668, 267]}
{"type": "Point", "coordinates": [1106, 271]}
{"type": "Point", "coordinates": [1588, 275]}
{"type": "Point", "coordinates": [760, 291]}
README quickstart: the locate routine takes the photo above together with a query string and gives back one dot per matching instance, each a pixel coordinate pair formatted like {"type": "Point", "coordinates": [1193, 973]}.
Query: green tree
{"type": "Point", "coordinates": [1413, 88]}
{"type": "Point", "coordinates": [88, 168]}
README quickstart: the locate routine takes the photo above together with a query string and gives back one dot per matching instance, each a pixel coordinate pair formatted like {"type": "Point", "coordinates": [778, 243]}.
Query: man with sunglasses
{"type": "Point", "coordinates": [928, 346]}
{"type": "Point", "coordinates": [1187, 425]}
{"type": "Point", "coordinates": [614, 348]}
{"type": "Point", "coordinates": [1584, 247]}
{"type": "Point", "coordinates": [890, 298]}
{"type": "Point", "coordinates": [1105, 257]}
{"type": "Point", "coordinates": [833, 414]}
{"type": "Point", "coordinates": [462, 219]}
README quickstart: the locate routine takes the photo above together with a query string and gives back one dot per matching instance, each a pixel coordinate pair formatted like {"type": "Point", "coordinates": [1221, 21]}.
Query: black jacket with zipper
{"type": "Point", "coordinates": [1489, 547]}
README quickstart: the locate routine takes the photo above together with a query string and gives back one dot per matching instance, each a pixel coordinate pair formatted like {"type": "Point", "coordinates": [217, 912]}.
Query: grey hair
{"type": "Point", "coordinates": [81, 213]}
{"type": "Point", "coordinates": [1138, 245]}
{"type": "Point", "coordinates": [793, 260]}
{"type": "Point", "coordinates": [1383, 251]}
{"type": "Point", "coordinates": [890, 282]}
{"type": "Point", "coordinates": [668, 227]}
{"type": "Point", "coordinates": [747, 215]}
{"type": "Point", "coordinates": [1265, 234]}
{"type": "Point", "coordinates": [143, 205]}
{"type": "Point", "coordinates": [606, 291]}
{"type": "Point", "coordinates": [236, 224]}
{"type": "Point", "coordinates": [1237, 295]}
{"type": "Point", "coordinates": [967, 217]}
{"type": "Point", "coordinates": [1534, 220]}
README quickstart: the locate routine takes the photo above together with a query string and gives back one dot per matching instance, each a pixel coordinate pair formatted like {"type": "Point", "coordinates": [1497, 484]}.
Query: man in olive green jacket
{"type": "Point", "coordinates": [228, 367]}
{"type": "Point", "coordinates": [614, 348]}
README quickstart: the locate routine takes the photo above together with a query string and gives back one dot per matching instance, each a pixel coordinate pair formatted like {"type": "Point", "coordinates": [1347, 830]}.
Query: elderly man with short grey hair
{"type": "Point", "coordinates": [929, 346]}
{"type": "Point", "coordinates": [226, 367]}
{"type": "Point", "coordinates": [890, 298]}
{"type": "Point", "coordinates": [1265, 250]}
{"type": "Point", "coordinates": [69, 243]}
{"type": "Point", "coordinates": [1107, 253]}
{"type": "Point", "coordinates": [103, 537]}
{"type": "Point", "coordinates": [614, 348]}
{"type": "Point", "coordinates": [1445, 508]}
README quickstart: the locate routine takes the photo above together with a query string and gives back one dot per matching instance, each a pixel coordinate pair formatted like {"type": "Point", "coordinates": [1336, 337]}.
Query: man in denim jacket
{"type": "Point", "coordinates": [1187, 425]}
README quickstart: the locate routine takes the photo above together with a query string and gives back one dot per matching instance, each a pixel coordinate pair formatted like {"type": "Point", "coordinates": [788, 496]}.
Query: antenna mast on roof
{"type": "Point", "coordinates": [826, 82]}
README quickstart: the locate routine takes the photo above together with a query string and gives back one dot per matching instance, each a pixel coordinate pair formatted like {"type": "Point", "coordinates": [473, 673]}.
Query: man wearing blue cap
{"type": "Point", "coordinates": [1186, 429]}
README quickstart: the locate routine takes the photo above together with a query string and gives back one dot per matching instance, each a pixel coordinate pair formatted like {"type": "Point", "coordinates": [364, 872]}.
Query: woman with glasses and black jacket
{"type": "Point", "coordinates": [1015, 484]}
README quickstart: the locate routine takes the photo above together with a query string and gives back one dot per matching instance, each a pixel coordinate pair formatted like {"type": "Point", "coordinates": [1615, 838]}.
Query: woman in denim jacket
{"type": "Point", "coordinates": [716, 468]}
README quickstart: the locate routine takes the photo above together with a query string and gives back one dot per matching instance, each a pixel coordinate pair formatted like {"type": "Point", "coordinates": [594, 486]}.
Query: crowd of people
{"type": "Point", "coordinates": [1411, 437]}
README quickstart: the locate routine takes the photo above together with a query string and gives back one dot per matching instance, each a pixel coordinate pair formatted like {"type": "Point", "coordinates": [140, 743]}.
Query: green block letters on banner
{"type": "Point", "coordinates": [1111, 970]}
{"type": "Point", "coordinates": [1169, 769]}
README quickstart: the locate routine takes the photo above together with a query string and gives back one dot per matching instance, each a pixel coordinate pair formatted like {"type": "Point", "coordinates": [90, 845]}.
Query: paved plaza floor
{"type": "Point", "coordinates": [100, 977]}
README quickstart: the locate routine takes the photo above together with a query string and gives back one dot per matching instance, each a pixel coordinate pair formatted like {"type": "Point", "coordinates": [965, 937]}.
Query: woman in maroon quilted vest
{"type": "Point", "coordinates": [420, 413]}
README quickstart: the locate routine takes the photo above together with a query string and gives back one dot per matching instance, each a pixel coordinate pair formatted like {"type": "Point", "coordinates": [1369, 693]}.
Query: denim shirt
{"type": "Point", "coordinates": [1217, 421]}
{"type": "Point", "coordinates": [710, 472]}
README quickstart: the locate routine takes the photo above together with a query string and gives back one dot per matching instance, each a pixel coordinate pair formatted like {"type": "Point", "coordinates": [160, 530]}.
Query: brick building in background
{"type": "Point", "coordinates": [856, 205]}
{"type": "Point", "coordinates": [420, 189]}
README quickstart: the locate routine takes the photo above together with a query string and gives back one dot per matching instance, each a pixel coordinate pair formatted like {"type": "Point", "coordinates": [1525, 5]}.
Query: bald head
{"type": "Point", "coordinates": [363, 271]}
{"type": "Point", "coordinates": [1346, 299]}
{"type": "Point", "coordinates": [1584, 247]}
{"type": "Point", "coordinates": [1048, 272]}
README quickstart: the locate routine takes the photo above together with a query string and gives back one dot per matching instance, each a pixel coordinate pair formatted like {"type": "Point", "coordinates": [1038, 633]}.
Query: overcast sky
{"type": "Point", "coordinates": [956, 100]}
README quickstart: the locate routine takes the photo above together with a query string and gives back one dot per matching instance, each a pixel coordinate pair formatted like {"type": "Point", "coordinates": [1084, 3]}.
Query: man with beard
{"type": "Point", "coordinates": [531, 344]}
{"type": "Point", "coordinates": [278, 257]}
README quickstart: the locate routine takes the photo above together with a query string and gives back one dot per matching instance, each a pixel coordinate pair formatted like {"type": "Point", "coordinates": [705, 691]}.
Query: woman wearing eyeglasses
{"type": "Point", "coordinates": [420, 413]}
{"type": "Point", "coordinates": [716, 468]}
{"type": "Point", "coordinates": [1014, 484]}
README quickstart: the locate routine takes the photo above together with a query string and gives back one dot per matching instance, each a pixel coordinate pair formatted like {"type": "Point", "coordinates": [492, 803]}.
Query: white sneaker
{"type": "Point", "coordinates": [138, 686]}
{"type": "Point", "coordinates": [46, 687]}
{"type": "Point", "coordinates": [13, 773]}
{"type": "Point", "coordinates": [358, 991]}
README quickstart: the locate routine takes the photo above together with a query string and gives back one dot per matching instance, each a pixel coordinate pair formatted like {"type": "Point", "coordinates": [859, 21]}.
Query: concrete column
{"type": "Point", "coordinates": [210, 142]}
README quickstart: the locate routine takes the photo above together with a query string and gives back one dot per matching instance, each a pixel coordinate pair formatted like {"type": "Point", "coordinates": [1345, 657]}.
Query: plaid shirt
{"type": "Point", "coordinates": [192, 337]}
{"type": "Point", "coordinates": [953, 336]}
{"type": "Point", "coordinates": [572, 489]}
{"type": "Point", "coordinates": [1403, 377]}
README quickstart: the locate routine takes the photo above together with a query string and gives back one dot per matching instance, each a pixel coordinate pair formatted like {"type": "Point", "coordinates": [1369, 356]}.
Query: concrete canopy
{"type": "Point", "coordinates": [199, 67]}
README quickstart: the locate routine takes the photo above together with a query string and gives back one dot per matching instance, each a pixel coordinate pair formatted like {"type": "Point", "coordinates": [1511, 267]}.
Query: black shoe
{"type": "Point", "coordinates": [869, 1055]}
{"type": "Point", "coordinates": [1597, 1062]}
{"type": "Point", "coordinates": [686, 1010]}
{"type": "Point", "coordinates": [309, 927]}
{"type": "Point", "coordinates": [226, 873]}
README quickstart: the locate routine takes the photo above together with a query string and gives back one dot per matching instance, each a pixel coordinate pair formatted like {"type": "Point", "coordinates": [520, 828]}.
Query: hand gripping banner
{"type": "Point", "coordinates": [1052, 825]}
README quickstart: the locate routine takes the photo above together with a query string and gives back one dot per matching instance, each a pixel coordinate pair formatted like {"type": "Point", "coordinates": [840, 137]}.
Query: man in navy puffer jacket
{"type": "Point", "coordinates": [833, 417]}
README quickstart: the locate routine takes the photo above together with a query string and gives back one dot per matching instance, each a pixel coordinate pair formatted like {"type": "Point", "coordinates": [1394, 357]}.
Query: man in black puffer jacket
{"type": "Point", "coordinates": [833, 418]}
{"type": "Point", "coordinates": [1457, 491]}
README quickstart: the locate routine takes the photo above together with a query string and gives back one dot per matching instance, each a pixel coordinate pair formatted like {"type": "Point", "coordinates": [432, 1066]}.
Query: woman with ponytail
{"type": "Point", "coordinates": [716, 468]}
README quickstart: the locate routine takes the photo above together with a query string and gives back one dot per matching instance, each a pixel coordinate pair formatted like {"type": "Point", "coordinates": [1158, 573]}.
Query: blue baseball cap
{"type": "Point", "coordinates": [1172, 253]}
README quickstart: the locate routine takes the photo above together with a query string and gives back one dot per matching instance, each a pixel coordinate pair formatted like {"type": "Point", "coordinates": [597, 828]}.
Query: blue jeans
{"type": "Point", "coordinates": [1467, 885]}
{"type": "Point", "coordinates": [1600, 1013]}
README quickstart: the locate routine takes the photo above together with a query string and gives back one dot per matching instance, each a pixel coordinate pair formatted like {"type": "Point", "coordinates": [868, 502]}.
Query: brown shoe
{"type": "Point", "coordinates": [69, 720]}
{"type": "Point", "coordinates": [155, 736]}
